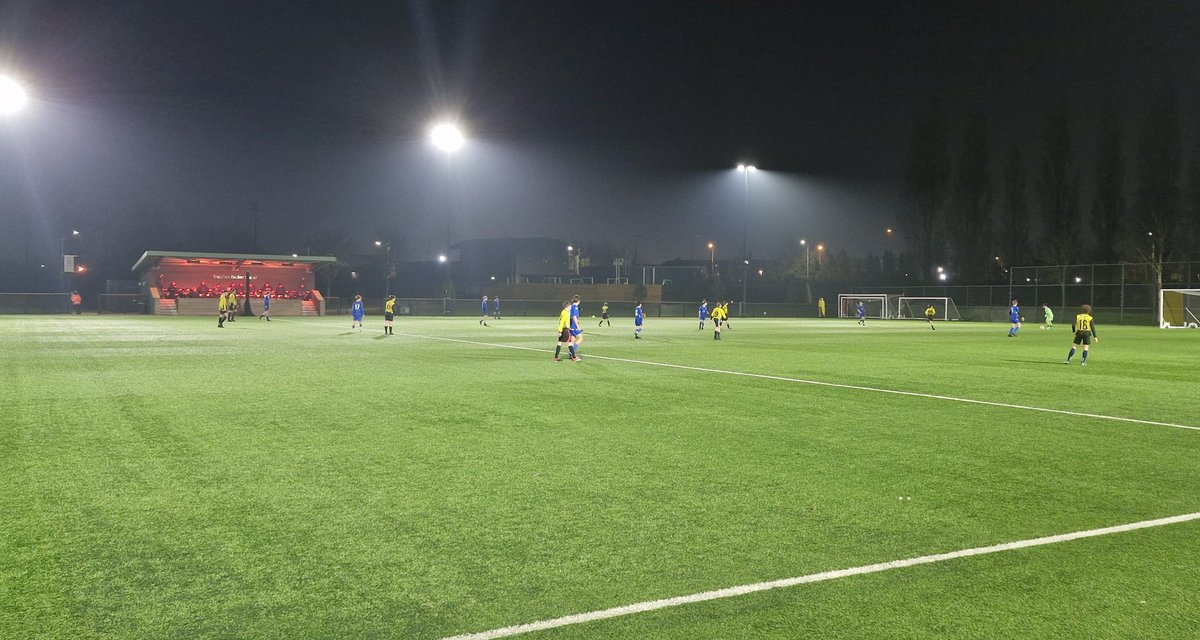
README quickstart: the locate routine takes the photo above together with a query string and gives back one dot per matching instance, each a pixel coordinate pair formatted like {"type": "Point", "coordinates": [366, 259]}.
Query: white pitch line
{"type": "Point", "coordinates": [730, 592]}
{"type": "Point", "coordinates": [835, 385]}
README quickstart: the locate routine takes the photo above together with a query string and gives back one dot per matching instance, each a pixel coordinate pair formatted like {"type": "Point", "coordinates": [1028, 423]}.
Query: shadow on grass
{"type": "Point", "coordinates": [1054, 363]}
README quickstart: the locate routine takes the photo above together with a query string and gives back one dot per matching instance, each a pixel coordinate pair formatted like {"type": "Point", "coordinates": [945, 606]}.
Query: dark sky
{"type": "Point", "coordinates": [156, 123]}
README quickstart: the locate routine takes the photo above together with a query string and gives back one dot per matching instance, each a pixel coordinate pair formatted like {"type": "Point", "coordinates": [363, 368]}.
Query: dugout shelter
{"type": "Point", "coordinates": [188, 283]}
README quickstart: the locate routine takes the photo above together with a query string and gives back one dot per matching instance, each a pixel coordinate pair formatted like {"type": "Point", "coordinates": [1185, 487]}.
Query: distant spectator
{"type": "Point", "coordinates": [77, 302]}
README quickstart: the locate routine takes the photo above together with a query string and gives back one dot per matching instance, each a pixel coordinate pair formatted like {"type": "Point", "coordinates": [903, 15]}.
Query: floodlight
{"type": "Point", "coordinates": [447, 137]}
{"type": "Point", "coordinates": [12, 96]}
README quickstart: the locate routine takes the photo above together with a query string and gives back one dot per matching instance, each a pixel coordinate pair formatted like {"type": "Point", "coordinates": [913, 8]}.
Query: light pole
{"type": "Point", "coordinates": [745, 170]}
{"type": "Point", "coordinates": [712, 256]}
{"type": "Point", "coordinates": [448, 138]}
{"type": "Point", "coordinates": [804, 243]}
{"type": "Point", "coordinates": [387, 267]}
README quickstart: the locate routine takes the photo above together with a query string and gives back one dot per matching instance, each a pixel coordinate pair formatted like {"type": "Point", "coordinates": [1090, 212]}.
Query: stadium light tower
{"type": "Point", "coordinates": [712, 255]}
{"type": "Point", "coordinates": [12, 96]}
{"type": "Point", "coordinates": [448, 138]}
{"type": "Point", "coordinates": [804, 243]}
{"type": "Point", "coordinates": [745, 170]}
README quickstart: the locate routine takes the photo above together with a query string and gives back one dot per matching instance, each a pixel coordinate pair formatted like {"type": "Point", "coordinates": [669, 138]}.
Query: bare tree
{"type": "Point", "coordinates": [1057, 191]}
{"type": "Point", "coordinates": [927, 186]}
{"type": "Point", "coordinates": [969, 219]}
{"type": "Point", "coordinates": [1016, 209]}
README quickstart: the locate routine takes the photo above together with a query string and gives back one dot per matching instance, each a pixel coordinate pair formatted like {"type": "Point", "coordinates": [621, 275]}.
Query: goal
{"type": "Point", "coordinates": [878, 305]}
{"type": "Point", "coordinates": [913, 307]}
{"type": "Point", "coordinates": [1179, 308]}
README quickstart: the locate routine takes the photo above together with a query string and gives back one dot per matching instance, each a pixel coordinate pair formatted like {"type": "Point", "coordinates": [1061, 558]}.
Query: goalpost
{"type": "Point", "coordinates": [877, 305]}
{"type": "Point", "coordinates": [913, 307]}
{"type": "Point", "coordinates": [1179, 308]}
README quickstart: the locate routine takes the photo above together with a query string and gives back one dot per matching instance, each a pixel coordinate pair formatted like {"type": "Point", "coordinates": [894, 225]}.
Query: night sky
{"type": "Point", "coordinates": [170, 125]}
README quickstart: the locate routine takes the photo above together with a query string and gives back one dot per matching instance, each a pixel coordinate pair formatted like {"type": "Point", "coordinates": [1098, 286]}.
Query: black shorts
{"type": "Point", "coordinates": [389, 316]}
{"type": "Point", "coordinates": [1083, 337]}
{"type": "Point", "coordinates": [565, 336]}
{"type": "Point", "coordinates": [604, 316]}
{"type": "Point", "coordinates": [717, 321]}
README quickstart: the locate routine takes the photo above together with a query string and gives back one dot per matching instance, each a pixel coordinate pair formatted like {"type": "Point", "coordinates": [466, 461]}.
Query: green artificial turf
{"type": "Point", "coordinates": [163, 478]}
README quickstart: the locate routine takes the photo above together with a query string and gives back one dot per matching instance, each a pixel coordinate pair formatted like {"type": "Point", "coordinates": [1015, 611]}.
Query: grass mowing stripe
{"type": "Point", "coordinates": [730, 592]}
{"type": "Point", "coordinates": [819, 383]}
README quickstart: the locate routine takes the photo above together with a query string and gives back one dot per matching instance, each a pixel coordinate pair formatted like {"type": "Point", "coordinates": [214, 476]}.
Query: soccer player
{"type": "Point", "coordinates": [222, 310]}
{"type": "Point", "coordinates": [483, 320]}
{"type": "Point", "coordinates": [77, 303]}
{"type": "Point", "coordinates": [1014, 316]}
{"type": "Point", "coordinates": [725, 315]}
{"type": "Point", "coordinates": [564, 331]}
{"type": "Point", "coordinates": [930, 312]}
{"type": "Point", "coordinates": [266, 306]}
{"type": "Point", "coordinates": [576, 329]}
{"type": "Point", "coordinates": [703, 313]}
{"type": "Point", "coordinates": [718, 314]}
{"type": "Point", "coordinates": [496, 307]}
{"type": "Point", "coordinates": [389, 312]}
{"type": "Point", "coordinates": [1085, 333]}
{"type": "Point", "coordinates": [638, 317]}
{"type": "Point", "coordinates": [862, 313]}
{"type": "Point", "coordinates": [356, 312]}
{"type": "Point", "coordinates": [604, 315]}
{"type": "Point", "coordinates": [231, 306]}
{"type": "Point", "coordinates": [820, 307]}
{"type": "Point", "coordinates": [1049, 316]}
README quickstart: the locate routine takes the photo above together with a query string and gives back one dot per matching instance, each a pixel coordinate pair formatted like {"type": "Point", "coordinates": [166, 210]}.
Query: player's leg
{"type": "Point", "coordinates": [1071, 353]}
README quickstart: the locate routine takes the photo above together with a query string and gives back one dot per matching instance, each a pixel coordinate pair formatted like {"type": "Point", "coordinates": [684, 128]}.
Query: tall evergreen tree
{"type": "Point", "coordinates": [1108, 206]}
{"type": "Point", "coordinates": [970, 217]}
{"type": "Point", "coordinates": [1058, 191]}
{"type": "Point", "coordinates": [927, 187]}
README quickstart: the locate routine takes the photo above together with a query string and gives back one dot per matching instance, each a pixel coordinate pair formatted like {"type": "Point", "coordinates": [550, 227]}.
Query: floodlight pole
{"type": "Point", "coordinates": [246, 303]}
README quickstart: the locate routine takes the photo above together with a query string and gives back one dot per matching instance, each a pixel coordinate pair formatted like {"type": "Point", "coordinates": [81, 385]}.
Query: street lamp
{"type": "Point", "coordinates": [804, 243]}
{"type": "Point", "coordinates": [387, 267]}
{"type": "Point", "coordinates": [12, 96]}
{"type": "Point", "coordinates": [745, 170]}
{"type": "Point", "coordinates": [712, 255]}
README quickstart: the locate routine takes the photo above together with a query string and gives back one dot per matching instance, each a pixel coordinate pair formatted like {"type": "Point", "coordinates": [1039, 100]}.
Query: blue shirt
{"type": "Point", "coordinates": [266, 301]}
{"type": "Point", "coordinates": [862, 311]}
{"type": "Point", "coordinates": [356, 309]}
{"type": "Point", "coordinates": [1015, 313]}
{"type": "Point", "coordinates": [496, 303]}
{"type": "Point", "coordinates": [485, 307]}
{"type": "Point", "coordinates": [637, 315]}
{"type": "Point", "coordinates": [575, 315]}
{"type": "Point", "coordinates": [704, 310]}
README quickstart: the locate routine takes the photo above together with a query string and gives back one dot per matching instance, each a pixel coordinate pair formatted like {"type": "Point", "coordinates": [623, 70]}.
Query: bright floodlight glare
{"type": "Point", "coordinates": [803, 242]}
{"type": "Point", "coordinates": [570, 248]}
{"type": "Point", "coordinates": [942, 277]}
{"type": "Point", "coordinates": [446, 137]}
{"type": "Point", "coordinates": [295, 255]}
{"type": "Point", "coordinates": [741, 167]}
{"type": "Point", "coordinates": [378, 243]}
{"type": "Point", "coordinates": [711, 245]}
{"type": "Point", "coordinates": [941, 269]}
{"type": "Point", "coordinates": [12, 96]}
{"type": "Point", "coordinates": [442, 258]}
{"type": "Point", "coordinates": [74, 232]}
{"type": "Point", "coordinates": [751, 168]}
{"type": "Point", "coordinates": [1078, 279]}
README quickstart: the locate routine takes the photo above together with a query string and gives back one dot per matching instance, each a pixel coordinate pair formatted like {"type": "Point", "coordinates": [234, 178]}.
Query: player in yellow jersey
{"type": "Point", "coordinates": [564, 331]}
{"type": "Point", "coordinates": [930, 312]}
{"type": "Point", "coordinates": [231, 306]}
{"type": "Point", "coordinates": [222, 310]}
{"type": "Point", "coordinates": [718, 318]}
{"type": "Point", "coordinates": [1085, 333]}
{"type": "Point", "coordinates": [389, 312]}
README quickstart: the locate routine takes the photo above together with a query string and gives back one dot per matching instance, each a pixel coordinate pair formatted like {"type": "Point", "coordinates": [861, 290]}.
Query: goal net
{"type": "Point", "coordinates": [1179, 308]}
{"type": "Point", "coordinates": [877, 305]}
{"type": "Point", "coordinates": [913, 307]}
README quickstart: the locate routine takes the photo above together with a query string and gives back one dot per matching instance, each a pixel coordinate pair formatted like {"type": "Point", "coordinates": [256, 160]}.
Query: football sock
{"type": "Point", "coordinates": [1071, 354]}
{"type": "Point", "coordinates": [571, 350]}
{"type": "Point", "coordinates": [557, 349]}
{"type": "Point", "coordinates": [1085, 352]}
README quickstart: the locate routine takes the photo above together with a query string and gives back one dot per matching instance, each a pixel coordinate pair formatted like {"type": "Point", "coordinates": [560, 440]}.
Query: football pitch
{"type": "Point", "coordinates": [163, 478]}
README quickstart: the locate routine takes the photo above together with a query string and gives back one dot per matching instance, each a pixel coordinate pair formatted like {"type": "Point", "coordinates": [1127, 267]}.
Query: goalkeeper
{"type": "Point", "coordinates": [1049, 316]}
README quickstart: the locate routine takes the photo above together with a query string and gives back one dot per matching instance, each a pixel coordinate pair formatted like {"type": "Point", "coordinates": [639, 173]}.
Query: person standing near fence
{"type": "Point", "coordinates": [1049, 324]}
{"type": "Point", "coordinates": [496, 307]}
{"type": "Point", "coordinates": [222, 309]}
{"type": "Point", "coordinates": [604, 315]}
{"type": "Point", "coordinates": [77, 303]}
{"type": "Point", "coordinates": [231, 306]}
{"type": "Point", "coordinates": [639, 316]}
{"type": "Point", "coordinates": [820, 307]}
{"type": "Point", "coordinates": [389, 314]}
{"type": "Point", "coordinates": [266, 306]}
{"type": "Point", "coordinates": [703, 312]}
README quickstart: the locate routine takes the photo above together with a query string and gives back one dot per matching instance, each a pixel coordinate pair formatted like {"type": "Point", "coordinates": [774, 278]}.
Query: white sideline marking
{"type": "Point", "coordinates": [730, 592]}
{"type": "Point", "coordinates": [836, 385]}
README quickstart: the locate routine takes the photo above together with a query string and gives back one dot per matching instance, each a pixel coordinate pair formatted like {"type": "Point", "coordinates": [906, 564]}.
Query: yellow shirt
{"type": "Point", "coordinates": [389, 306]}
{"type": "Point", "coordinates": [1083, 322]}
{"type": "Point", "coordinates": [930, 312]}
{"type": "Point", "coordinates": [564, 319]}
{"type": "Point", "coordinates": [718, 313]}
{"type": "Point", "coordinates": [222, 303]}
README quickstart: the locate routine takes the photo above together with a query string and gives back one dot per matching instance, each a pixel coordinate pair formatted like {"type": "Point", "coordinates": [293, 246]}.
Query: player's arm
{"type": "Point", "coordinates": [1094, 336]}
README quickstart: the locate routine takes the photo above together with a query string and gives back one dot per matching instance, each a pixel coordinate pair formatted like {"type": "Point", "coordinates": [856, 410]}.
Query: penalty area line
{"type": "Point", "coordinates": [834, 385]}
{"type": "Point", "coordinates": [731, 592]}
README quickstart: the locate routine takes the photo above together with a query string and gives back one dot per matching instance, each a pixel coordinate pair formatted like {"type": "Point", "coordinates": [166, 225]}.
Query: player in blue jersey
{"type": "Point", "coordinates": [576, 329]}
{"type": "Point", "coordinates": [862, 313]}
{"type": "Point", "coordinates": [1014, 316]}
{"type": "Point", "coordinates": [484, 305]}
{"type": "Point", "coordinates": [496, 307]}
{"type": "Point", "coordinates": [356, 312]}
{"type": "Point", "coordinates": [703, 313]}
{"type": "Point", "coordinates": [638, 317]}
{"type": "Point", "coordinates": [266, 306]}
